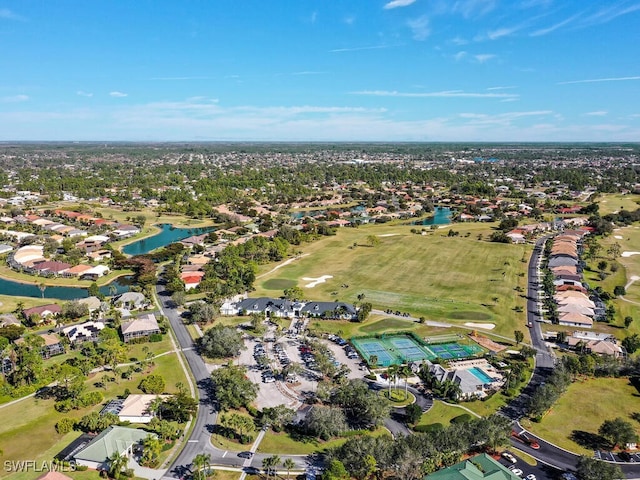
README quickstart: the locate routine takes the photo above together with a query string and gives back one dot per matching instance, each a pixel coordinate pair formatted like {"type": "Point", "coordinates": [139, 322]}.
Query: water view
{"type": "Point", "coordinates": [441, 216]}
{"type": "Point", "coordinates": [9, 287]}
{"type": "Point", "coordinates": [168, 234]}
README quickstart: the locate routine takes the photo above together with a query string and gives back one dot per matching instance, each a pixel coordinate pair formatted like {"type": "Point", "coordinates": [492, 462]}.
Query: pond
{"type": "Point", "coordinates": [9, 287]}
{"type": "Point", "coordinates": [441, 216]}
{"type": "Point", "coordinates": [168, 234]}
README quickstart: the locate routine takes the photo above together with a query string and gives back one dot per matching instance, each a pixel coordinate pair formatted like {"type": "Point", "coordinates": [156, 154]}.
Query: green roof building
{"type": "Point", "coordinates": [97, 452]}
{"type": "Point", "coordinates": [480, 467]}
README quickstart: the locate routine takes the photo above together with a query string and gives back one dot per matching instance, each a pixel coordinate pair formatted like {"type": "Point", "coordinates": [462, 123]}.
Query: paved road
{"type": "Point", "coordinates": [199, 440]}
{"type": "Point", "coordinates": [545, 362]}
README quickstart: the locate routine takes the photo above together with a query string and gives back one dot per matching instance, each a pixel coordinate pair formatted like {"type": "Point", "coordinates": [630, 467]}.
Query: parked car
{"type": "Point", "coordinates": [509, 457]}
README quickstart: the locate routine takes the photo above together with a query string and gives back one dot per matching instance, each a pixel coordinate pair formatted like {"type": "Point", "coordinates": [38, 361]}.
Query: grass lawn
{"type": "Point", "coordinates": [583, 408]}
{"type": "Point", "coordinates": [29, 425]}
{"type": "Point", "coordinates": [8, 303]}
{"type": "Point", "coordinates": [398, 398]}
{"type": "Point", "coordinates": [439, 277]}
{"type": "Point", "coordinates": [487, 407]}
{"type": "Point", "coordinates": [614, 202]}
{"type": "Point", "coordinates": [440, 413]}
{"type": "Point", "coordinates": [283, 442]}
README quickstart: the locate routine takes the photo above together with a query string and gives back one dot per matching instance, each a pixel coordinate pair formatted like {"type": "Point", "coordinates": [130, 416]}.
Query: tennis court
{"type": "Point", "coordinates": [449, 351]}
{"type": "Point", "coordinates": [399, 349]}
{"type": "Point", "coordinates": [367, 347]}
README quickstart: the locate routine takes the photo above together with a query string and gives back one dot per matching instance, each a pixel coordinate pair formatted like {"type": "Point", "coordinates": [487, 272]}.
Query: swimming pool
{"type": "Point", "coordinates": [481, 375]}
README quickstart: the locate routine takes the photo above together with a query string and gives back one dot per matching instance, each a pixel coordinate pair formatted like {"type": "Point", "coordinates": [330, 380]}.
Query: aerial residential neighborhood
{"type": "Point", "coordinates": [306, 326]}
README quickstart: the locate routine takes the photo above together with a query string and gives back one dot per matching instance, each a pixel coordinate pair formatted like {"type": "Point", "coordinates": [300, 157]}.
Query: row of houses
{"type": "Point", "coordinates": [575, 308]}
{"type": "Point", "coordinates": [591, 342]}
{"type": "Point", "coordinates": [283, 308]}
{"type": "Point", "coordinates": [142, 326]}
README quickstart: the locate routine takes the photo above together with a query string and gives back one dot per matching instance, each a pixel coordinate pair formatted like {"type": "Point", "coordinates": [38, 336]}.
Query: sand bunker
{"type": "Point", "coordinates": [629, 254]}
{"type": "Point", "coordinates": [486, 326]}
{"type": "Point", "coordinates": [388, 234]}
{"type": "Point", "coordinates": [619, 237]}
{"type": "Point", "coordinates": [316, 281]}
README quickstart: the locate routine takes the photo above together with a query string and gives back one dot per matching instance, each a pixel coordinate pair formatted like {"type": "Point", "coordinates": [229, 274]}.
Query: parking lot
{"type": "Point", "coordinates": [266, 359]}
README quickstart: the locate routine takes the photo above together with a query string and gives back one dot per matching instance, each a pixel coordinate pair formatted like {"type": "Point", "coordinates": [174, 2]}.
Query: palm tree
{"type": "Point", "coordinates": [151, 450]}
{"type": "Point", "coordinates": [155, 407]}
{"type": "Point", "coordinates": [288, 464]}
{"type": "Point", "coordinates": [269, 464]}
{"type": "Point", "coordinates": [117, 463]}
{"type": "Point", "coordinates": [373, 360]}
{"type": "Point", "coordinates": [392, 372]}
{"type": "Point", "coordinates": [200, 464]}
{"type": "Point", "coordinates": [112, 290]}
{"type": "Point", "coordinates": [405, 371]}
{"type": "Point", "coordinates": [42, 288]}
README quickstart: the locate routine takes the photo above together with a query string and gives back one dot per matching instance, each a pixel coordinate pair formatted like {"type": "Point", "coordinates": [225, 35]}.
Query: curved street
{"type": "Point", "coordinates": [205, 420]}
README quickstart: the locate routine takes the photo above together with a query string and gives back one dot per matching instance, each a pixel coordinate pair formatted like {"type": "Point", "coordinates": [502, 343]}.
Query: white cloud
{"type": "Point", "coordinates": [460, 55]}
{"type": "Point", "coordinates": [419, 27]}
{"type": "Point", "coordinates": [82, 93]}
{"type": "Point", "coordinates": [357, 49]}
{"type": "Point", "coordinates": [314, 17]}
{"type": "Point", "coordinates": [308, 72]}
{"type": "Point", "coordinates": [596, 80]}
{"type": "Point", "coordinates": [553, 28]}
{"type": "Point", "coordinates": [501, 32]}
{"type": "Point", "coordinates": [181, 78]}
{"type": "Point", "coordinates": [597, 113]}
{"type": "Point", "coordinates": [475, 8]}
{"type": "Point", "coordinates": [7, 14]}
{"type": "Point", "coordinates": [14, 99]}
{"type": "Point", "coordinates": [459, 41]}
{"type": "Point", "coordinates": [398, 3]}
{"type": "Point", "coordinates": [484, 57]}
{"type": "Point", "coordinates": [117, 94]}
{"type": "Point", "coordinates": [501, 88]}
{"type": "Point", "coordinates": [444, 94]}
{"type": "Point", "coordinates": [607, 14]}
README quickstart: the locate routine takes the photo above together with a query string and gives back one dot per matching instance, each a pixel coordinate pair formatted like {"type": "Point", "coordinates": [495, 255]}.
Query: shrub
{"type": "Point", "coordinates": [81, 468]}
{"type": "Point", "coordinates": [89, 399]}
{"type": "Point", "coordinates": [433, 427]}
{"type": "Point", "coordinates": [65, 425]}
{"type": "Point", "coordinates": [464, 418]}
{"type": "Point", "coordinates": [152, 384]}
{"type": "Point", "coordinates": [63, 406]}
{"type": "Point", "coordinates": [155, 337]}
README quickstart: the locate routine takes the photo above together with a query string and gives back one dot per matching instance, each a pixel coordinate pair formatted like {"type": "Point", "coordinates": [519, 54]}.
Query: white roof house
{"type": "Point", "coordinates": [135, 408]}
{"type": "Point", "coordinates": [142, 326]}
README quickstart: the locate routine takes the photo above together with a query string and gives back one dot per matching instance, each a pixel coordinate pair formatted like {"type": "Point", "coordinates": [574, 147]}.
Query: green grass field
{"type": "Point", "coordinates": [439, 277]}
{"type": "Point", "coordinates": [610, 203]}
{"type": "Point", "coordinates": [583, 407]}
{"type": "Point", "coordinates": [29, 425]}
{"type": "Point", "coordinates": [440, 413]}
{"type": "Point", "coordinates": [283, 442]}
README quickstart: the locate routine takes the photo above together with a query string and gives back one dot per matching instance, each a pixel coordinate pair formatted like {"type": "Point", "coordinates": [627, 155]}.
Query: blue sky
{"type": "Point", "coordinates": [320, 70]}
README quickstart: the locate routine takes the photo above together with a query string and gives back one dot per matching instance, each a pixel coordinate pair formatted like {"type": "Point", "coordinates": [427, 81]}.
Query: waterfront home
{"type": "Point", "coordinates": [83, 332]}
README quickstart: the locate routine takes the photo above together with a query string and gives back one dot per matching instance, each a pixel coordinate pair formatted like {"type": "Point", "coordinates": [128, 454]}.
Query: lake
{"type": "Point", "coordinates": [9, 287]}
{"type": "Point", "coordinates": [168, 234]}
{"type": "Point", "coordinates": [441, 216]}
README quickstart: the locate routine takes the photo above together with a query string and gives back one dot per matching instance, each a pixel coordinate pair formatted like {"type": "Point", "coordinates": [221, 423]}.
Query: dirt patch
{"type": "Point", "coordinates": [487, 343]}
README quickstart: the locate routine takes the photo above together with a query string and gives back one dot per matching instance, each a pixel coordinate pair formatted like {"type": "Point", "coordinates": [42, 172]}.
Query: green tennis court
{"type": "Point", "coordinates": [399, 349]}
